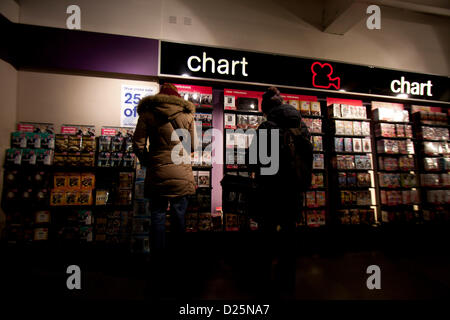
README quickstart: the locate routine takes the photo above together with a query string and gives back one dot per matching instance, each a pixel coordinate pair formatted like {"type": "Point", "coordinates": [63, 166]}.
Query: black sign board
{"type": "Point", "coordinates": [226, 64]}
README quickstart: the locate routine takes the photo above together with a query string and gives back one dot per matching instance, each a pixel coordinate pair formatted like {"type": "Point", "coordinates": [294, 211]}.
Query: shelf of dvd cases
{"type": "Point", "coordinates": [433, 144]}
{"type": "Point", "coordinates": [61, 206]}
{"type": "Point", "coordinates": [351, 166]}
{"type": "Point", "coordinates": [54, 183]}
{"type": "Point", "coordinates": [397, 179]}
{"type": "Point", "coordinates": [320, 174]}
{"type": "Point", "coordinates": [198, 214]}
{"type": "Point", "coordinates": [316, 199]}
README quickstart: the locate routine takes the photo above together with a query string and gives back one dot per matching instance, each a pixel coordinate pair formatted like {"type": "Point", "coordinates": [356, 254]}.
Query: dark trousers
{"type": "Point", "coordinates": [165, 278]}
{"type": "Point", "coordinates": [279, 214]}
{"type": "Point", "coordinates": [158, 209]}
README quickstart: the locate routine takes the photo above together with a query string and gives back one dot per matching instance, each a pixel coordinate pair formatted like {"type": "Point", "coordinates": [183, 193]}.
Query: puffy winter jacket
{"type": "Point", "coordinates": [157, 117]}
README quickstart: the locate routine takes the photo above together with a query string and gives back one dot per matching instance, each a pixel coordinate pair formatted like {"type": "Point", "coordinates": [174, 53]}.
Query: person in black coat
{"type": "Point", "coordinates": [280, 198]}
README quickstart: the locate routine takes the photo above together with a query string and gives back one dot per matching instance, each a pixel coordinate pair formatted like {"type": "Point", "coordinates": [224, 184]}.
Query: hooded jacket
{"type": "Point", "coordinates": [281, 117]}
{"type": "Point", "coordinates": [157, 116]}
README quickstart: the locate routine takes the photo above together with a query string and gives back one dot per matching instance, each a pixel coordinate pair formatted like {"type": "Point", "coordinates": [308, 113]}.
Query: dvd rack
{"type": "Point", "coordinates": [198, 214]}
{"type": "Point", "coordinates": [351, 166]}
{"type": "Point", "coordinates": [397, 173]}
{"type": "Point", "coordinates": [236, 147]}
{"type": "Point", "coordinates": [68, 204]}
{"type": "Point", "coordinates": [315, 200]}
{"type": "Point", "coordinates": [433, 156]}
{"type": "Point", "coordinates": [236, 142]}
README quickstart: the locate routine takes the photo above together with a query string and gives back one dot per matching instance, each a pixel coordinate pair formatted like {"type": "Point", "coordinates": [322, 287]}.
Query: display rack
{"type": "Point", "coordinates": [433, 153]}
{"type": "Point", "coordinates": [56, 200]}
{"type": "Point", "coordinates": [315, 200]}
{"type": "Point", "coordinates": [397, 174]}
{"type": "Point", "coordinates": [198, 215]}
{"type": "Point", "coordinates": [351, 166]}
{"type": "Point", "coordinates": [242, 111]}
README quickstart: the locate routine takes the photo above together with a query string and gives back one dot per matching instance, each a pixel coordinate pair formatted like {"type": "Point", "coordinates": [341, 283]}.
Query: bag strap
{"type": "Point", "coordinates": [175, 127]}
{"type": "Point", "coordinates": [174, 124]}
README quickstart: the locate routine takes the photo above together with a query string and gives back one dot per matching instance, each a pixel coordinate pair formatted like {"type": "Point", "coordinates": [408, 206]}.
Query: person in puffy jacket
{"type": "Point", "coordinates": [165, 182]}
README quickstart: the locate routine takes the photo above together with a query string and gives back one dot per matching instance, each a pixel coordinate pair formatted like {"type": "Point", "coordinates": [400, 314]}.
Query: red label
{"type": "Point", "coordinates": [193, 89]}
{"type": "Point", "coordinates": [25, 127]}
{"type": "Point", "coordinates": [389, 105]}
{"type": "Point", "coordinates": [38, 127]}
{"type": "Point", "coordinates": [415, 109]}
{"type": "Point", "coordinates": [109, 131]}
{"type": "Point", "coordinates": [350, 102]}
{"type": "Point", "coordinates": [298, 97]}
{"type": "Point", "coordinates": [69, 130]}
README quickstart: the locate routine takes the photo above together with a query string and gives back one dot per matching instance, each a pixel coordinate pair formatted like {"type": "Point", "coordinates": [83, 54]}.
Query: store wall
{"type": "Point", "coordinates": [70, 99]}
{"type": "Point", "coordinates": [407, 40]}
{"type": "Point", "coordinates": [8, 94]}
{"type": "Point", "coordinates": [10, 9]}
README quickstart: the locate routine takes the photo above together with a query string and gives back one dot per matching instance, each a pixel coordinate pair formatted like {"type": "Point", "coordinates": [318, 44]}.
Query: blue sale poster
{"type": "Point", "coordinates": [129, 99]}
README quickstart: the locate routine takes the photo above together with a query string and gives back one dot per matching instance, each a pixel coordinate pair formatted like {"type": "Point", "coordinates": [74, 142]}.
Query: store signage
{"type": "Point", "coordinates": [129, 99]}
{"type": "Point", "coordinates": [322, 76]}
{"type": "Point", "coordinates": [414, 88]}
{"type": "Point", "coordinates": [192, 61]}
{"type": "Point", "coordinates": [204, 63]}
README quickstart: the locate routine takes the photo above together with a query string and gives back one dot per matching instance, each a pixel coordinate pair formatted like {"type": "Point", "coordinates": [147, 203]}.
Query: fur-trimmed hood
{"type": "Point", "coordinates": [166, 105]}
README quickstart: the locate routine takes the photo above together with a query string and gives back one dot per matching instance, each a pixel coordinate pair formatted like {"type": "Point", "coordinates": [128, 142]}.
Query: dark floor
{"type": "Point", "coordinates": [412, 268]}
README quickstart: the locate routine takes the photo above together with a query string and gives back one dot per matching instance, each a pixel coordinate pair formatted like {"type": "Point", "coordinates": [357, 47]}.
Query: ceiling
{"type": "Point", "coordinates": [339, 16]}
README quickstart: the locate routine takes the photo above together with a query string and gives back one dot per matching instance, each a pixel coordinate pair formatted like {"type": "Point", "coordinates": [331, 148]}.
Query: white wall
{"type": "Point", "coordinates": [69, 99]}
{"type": "Point", "coordinates": [406, 40]}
